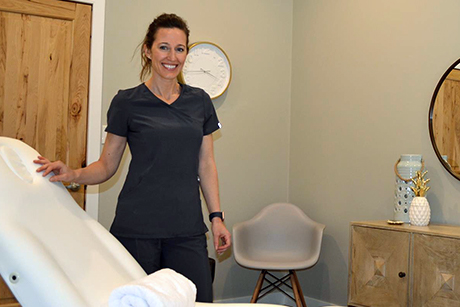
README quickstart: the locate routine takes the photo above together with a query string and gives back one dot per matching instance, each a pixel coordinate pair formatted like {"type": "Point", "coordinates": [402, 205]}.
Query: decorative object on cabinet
{"type": "Point", "coordinates": [419, 211]}
{"type": "Point", "coordinates": [405, 170]}
{"type": "Point", "coordinates": [403, 265]}
{"type": "Point", "coordinates": [281, 237]}
{"type": "Point", "coordinates": [443, 119]}
{"type": "Point", "coordinates": [208, 67]}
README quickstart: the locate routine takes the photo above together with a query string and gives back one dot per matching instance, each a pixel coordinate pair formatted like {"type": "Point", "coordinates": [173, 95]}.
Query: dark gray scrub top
{"type": "Point", "coordinates": [160, 197]}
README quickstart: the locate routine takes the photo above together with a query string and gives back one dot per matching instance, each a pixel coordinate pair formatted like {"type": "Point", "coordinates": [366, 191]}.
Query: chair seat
{"type": "Point", "coordinates": [274, 262]}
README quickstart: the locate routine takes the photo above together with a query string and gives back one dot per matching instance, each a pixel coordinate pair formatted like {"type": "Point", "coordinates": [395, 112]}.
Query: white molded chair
{"type": "Point", "coordinates": [281, 237]}
{"type": "Point", "coordinates": [52, 254]}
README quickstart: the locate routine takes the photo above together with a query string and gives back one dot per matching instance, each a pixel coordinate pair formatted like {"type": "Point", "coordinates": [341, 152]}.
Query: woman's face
{"type": "Point", "coordinates": [168, 52]}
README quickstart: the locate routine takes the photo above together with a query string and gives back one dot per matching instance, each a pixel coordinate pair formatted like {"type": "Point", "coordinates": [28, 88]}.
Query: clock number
{"type": "Point", "coordinates": [213, 90]}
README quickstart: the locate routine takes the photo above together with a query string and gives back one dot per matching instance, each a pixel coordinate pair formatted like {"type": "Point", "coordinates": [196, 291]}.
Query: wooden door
{"type": "Point", "coordinates": [377, 259]}
{"type": "Point", "coordinates": [44, 73]}
{"type": "Point", "coordinates": [436, 271]}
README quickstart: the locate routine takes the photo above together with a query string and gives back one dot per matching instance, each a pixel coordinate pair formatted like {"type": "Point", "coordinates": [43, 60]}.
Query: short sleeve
{"type": "Point", "coordinates": [211, 122]}
{"type": "Point", "coordinates": [117, 117]}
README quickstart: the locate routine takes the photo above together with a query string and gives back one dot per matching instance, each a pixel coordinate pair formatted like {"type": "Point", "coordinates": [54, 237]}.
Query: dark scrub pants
{"type": "Point", "coordinates": [187, 256]}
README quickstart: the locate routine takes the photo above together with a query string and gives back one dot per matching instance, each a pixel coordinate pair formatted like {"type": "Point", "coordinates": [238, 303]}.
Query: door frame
{"type": "Point", "coordinates": [93, 141]}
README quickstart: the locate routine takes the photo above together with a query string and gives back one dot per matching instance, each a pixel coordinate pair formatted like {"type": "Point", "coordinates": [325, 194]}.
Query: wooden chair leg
{"type": "Point", "coordinates": [295, 289]}
{"type": "Point", "coordinates": [259, 284]}
{"type": "Point", "coordinates": [299, 288]}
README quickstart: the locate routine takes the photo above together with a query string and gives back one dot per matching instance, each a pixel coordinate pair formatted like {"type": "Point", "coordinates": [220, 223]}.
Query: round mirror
{"type": "Point", "coordinates": [444, 120]}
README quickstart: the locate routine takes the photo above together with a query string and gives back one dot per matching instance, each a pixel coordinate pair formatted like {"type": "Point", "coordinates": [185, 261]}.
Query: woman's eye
{"type": "Point", "coordinates": [180, 49]}
{"type": "Point", "coordinates": [164, 48]}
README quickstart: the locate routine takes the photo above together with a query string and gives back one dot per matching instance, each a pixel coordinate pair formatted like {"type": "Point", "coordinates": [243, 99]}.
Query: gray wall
{"type": "Point", "coordinates": [363, 73]}
{"type": "Point", "coordinates": [363, 76]}
{"type": "Point", "coordinates": [252, 148]}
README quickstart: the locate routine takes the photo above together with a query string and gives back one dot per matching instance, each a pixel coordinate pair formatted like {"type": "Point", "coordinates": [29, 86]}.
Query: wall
{"type": "Point", "coordinates": [252, 149]}
{"type": "Point", "coordinates": [363, 73]}
{"type": "Point", "coordinates": [363, 76]}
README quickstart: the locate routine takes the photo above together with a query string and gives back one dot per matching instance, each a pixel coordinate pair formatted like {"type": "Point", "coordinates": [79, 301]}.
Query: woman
{"type": "Point", "coordinates": [168, 127]}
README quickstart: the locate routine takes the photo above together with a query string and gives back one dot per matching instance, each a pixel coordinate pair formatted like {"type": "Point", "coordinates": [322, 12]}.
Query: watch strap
{"type": "Point", "coordinates": [219, 214]}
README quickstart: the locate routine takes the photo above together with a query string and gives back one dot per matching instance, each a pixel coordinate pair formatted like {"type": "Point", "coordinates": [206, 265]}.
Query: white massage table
{"type": "Point", "coordinates": [52, 253]}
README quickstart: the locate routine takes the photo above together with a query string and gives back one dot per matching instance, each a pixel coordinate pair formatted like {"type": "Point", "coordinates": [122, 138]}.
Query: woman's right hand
{"type": "Point", "coordinates": [95, 173]}
{"type": "Point", "coordinates": [61, 171]}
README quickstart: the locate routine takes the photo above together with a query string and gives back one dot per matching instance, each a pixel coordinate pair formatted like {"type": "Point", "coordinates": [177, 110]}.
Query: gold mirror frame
{"type": "Point", "coordinates": [434, 121]}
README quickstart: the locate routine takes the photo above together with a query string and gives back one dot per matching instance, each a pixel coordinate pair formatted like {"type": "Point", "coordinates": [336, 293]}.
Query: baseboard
{"type": "Point", "coordinates": [276, 298]}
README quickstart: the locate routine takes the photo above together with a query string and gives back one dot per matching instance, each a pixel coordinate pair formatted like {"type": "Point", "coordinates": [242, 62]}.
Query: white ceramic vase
{"type": "Point", "coordinates": [407, 167]}
{"type": "Point", "coordinates": [419, 212]}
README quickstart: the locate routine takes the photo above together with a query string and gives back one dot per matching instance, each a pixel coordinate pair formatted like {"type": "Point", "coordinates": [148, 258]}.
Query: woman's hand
{"type": "Point", "coordinates": [95, 173]}
{"type": "Point", "coordinates": [222, 237]}
{"type": "Point", "coordinates": [61, 171]}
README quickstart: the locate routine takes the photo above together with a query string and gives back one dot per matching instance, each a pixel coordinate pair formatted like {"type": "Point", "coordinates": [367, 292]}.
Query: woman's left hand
{"type": "Point", "coordinates": [222, 237]}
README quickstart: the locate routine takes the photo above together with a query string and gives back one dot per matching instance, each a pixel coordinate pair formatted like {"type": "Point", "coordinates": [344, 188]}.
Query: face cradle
{"type": "Point", "coordinates": [168, 53]}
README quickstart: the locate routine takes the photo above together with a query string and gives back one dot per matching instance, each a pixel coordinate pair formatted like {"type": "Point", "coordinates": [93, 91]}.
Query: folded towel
{"type": "Point", "coordinates": [164, 288]}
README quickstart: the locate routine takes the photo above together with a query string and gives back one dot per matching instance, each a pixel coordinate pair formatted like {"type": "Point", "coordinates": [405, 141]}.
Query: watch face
{"type": "Point", "coordinates": [207, 67]}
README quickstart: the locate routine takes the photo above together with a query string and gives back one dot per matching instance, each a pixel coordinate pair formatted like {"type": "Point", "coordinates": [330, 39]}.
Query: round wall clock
{"type": "Point", "coordinates": [208, 67]}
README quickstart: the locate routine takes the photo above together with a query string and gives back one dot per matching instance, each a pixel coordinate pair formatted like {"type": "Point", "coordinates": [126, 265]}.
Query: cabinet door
{"type": "Point", "coordinates": [379, 267]}
{"type": "Point", "coordinates": [436, 266]}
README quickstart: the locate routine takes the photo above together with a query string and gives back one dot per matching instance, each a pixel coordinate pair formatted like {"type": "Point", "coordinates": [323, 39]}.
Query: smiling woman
{"type": "Point", "coordinates": [162, 22]}
{"type": "Point", "coordinates": [167, 56]}
{"type": "Point", "coordinates": [168, 127]}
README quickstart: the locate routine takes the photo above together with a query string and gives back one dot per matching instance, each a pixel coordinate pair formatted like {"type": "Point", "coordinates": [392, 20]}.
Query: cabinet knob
{"type": "Point", "coordinates": [402, 274]}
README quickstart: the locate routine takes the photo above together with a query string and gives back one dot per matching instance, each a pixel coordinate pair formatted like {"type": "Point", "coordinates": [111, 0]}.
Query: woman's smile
{"type": "Point", "coordinates": [168, 53]}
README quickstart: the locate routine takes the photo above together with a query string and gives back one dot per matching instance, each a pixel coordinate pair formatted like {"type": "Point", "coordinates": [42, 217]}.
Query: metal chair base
{"type": "Point", "coordinates": [260, 292]}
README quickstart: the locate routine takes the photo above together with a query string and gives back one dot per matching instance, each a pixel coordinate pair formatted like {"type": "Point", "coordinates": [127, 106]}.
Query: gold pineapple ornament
{"type": "Point", "coordinates": [419, 211]}
{"type": "Point", "coordinates": [420, 188]}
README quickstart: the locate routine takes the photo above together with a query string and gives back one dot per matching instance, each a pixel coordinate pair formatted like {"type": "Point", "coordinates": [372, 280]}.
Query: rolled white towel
{"type": "Point", "coordinates": [164, 288]}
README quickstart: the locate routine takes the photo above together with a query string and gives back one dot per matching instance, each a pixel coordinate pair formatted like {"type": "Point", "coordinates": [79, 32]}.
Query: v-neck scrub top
{"type": "Point", "coordinates": [161, 197]}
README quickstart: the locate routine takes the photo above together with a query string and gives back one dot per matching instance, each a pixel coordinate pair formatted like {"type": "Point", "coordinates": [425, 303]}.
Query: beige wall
{"type": "Point", "coordinates": [252, 149]}
{"type": "Point", "coordinates": [363, 76]}
{"type": "Point", "coordinates": [363, 73]}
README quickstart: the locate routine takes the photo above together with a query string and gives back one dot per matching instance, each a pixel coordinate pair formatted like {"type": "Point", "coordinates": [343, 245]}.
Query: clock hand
{"type": "Point", "coordinates": [202, 71]}
{"type": "Point", "coordinates": [208, 72]}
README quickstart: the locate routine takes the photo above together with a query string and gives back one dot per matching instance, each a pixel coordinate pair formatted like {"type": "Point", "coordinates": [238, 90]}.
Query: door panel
{"type": "Point", "coordinates": [44, 8]}
{"type": "Point", "coordinates": [77, 118]}
{"type": "Point", "coordinates": [377, 258]}
{"type": "Point", "coordinates": [436, 266]}
{"type": "Point", "coordinates": [44, 73]}
{"type": "Point", "coordinates": [36, 82]}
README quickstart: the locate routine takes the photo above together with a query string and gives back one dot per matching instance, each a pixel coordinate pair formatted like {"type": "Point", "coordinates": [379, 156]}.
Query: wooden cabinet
{"type": "Point", "coordinates": [404, 265]}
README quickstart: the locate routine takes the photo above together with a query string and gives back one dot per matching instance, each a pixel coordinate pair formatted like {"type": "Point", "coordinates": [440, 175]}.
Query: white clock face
{"type": "Point", "coordinates": [207, 67]}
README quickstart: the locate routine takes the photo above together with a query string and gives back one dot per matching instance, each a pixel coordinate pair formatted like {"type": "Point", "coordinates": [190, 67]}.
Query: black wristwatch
{"type": "Point", "coordinates": [217, 214]}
